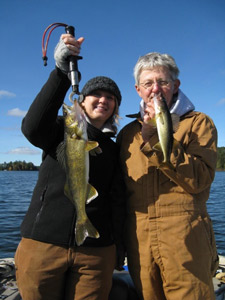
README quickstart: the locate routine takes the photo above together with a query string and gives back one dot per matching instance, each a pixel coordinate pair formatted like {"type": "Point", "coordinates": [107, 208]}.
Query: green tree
{"type": "Point", "coordinates": [221, 158]}
{"type": "Point", "coordinates": [18, 166]}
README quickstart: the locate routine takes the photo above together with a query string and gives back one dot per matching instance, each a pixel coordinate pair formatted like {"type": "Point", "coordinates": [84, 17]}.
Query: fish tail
{"type": "Point", "coordinates": [83, 230]}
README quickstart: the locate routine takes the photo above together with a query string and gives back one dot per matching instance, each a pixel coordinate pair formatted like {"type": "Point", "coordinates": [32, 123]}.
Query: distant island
{"type": "Point", "coordinates": [24, 166]}
{"type": "Point", "coordinates": [18, 166]}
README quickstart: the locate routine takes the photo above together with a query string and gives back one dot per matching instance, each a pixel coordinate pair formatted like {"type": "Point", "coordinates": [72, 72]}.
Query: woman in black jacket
{"type": "Point", "coordinates": [49, 264]}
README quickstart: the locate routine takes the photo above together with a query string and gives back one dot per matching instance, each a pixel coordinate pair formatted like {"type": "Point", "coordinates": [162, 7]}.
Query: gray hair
{"type": "Point", "coordinates": [155, 59]}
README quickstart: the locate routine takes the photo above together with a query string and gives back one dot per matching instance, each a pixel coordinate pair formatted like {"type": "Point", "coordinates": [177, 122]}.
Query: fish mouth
{"type": "Point", "coordinates": [154, 95]}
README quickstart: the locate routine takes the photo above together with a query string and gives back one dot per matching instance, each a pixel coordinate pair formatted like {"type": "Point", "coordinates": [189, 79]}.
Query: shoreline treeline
{"type": "Point", "coordinates": [18, 166]}
{"type": "Point", "coordinates": [220, 158]}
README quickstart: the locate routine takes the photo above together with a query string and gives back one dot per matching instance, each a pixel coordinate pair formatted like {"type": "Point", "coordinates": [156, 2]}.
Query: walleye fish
{"type": "Point", "coordinates": [73, 154]}
{"type": "Point", "coordinates": [166, 124]}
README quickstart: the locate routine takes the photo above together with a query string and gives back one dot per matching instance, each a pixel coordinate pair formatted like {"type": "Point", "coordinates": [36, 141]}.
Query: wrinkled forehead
{"type": "Point", "coordinates": [156, 71]}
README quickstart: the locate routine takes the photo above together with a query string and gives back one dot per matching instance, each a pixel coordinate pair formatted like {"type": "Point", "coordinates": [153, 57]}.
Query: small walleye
{"type": "Point", "coordinates": [166, 123]}
{"type": "Point", "coordinates": [73, 154]}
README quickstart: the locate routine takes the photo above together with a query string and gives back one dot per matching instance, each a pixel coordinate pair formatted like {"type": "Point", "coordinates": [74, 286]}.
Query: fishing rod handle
{"type": "Point", "coordinates": [73, 67]}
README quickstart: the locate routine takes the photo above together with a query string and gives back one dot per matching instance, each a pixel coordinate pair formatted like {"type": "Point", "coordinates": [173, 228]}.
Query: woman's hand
{"type": "Point", "coordinates": [66, 46]}
{"type": "Point", "coordinates": [149, 126]}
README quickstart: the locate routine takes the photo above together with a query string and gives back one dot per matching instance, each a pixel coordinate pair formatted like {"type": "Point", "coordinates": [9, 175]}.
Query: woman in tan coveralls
{"type": "Point", "coordinates": [169, 236]}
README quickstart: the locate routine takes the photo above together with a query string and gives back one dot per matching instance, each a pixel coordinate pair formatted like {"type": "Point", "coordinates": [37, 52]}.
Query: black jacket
{"type": "Point", "coordinates": [51, 215]}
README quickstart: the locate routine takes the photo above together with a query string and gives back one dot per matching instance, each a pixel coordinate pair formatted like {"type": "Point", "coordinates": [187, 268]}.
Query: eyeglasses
{"type": "Point", "coordinates": [149, 84]}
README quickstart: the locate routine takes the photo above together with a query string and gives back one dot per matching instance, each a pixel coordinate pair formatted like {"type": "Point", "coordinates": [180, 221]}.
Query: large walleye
{"type": "Point", "coordinates": [166, 124]}
{"type": "Point", "coordinates": [73, 154]}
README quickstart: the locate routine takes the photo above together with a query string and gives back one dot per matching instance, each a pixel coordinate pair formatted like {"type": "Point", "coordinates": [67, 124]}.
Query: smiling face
{"type": "Point", "coordinates": [157, 81]}
{"type": "Point", "coordinates": [99, 106]}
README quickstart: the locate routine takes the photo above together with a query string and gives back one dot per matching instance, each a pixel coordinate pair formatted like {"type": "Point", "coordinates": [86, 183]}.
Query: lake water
{"type": "Point", "coordinates": [15, 193]}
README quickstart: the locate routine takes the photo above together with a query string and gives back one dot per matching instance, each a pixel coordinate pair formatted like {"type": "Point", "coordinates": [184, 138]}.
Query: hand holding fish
{"type": "Point", "coordinates": [147, 128]}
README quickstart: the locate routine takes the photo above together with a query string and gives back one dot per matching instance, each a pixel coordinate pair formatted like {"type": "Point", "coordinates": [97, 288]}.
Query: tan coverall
{"type": "Point", "coordinates": [169, 236]}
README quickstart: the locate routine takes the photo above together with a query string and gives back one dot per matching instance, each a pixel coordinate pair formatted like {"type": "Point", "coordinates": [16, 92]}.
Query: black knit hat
{"type": "Point", "coordinates": [101, 83]}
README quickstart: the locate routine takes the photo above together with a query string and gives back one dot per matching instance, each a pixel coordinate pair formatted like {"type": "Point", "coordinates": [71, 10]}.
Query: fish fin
{"type": "Point", "coordinates": [176, 121]}
{"type": "Point", "coordinates": [91, 193]}
{"type": "Point", "coordinates": [152, 122]}
{"type": "Point", "coordinates": [83, 230]}
{"type": "Point", "coordinates": [157, 147]}
{"type": "Point", "coordinates": [60, 154]}
{"type": "Point", "coordinates": [96, 151]}
{"type": "Point", "coordinates": [91, 145]}
{"type": "Point", "coordinates": [168, 164]}
{"type": "Point", "coordinates": [159, 116]}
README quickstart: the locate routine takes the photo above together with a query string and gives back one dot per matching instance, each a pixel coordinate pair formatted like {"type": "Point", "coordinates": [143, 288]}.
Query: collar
{"type": "Point", "coordinates": [108, 127]}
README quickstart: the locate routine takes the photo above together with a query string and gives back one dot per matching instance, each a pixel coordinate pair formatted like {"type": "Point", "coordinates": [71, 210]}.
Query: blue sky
{"type": "Point", "coordinates": [116, 33]}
